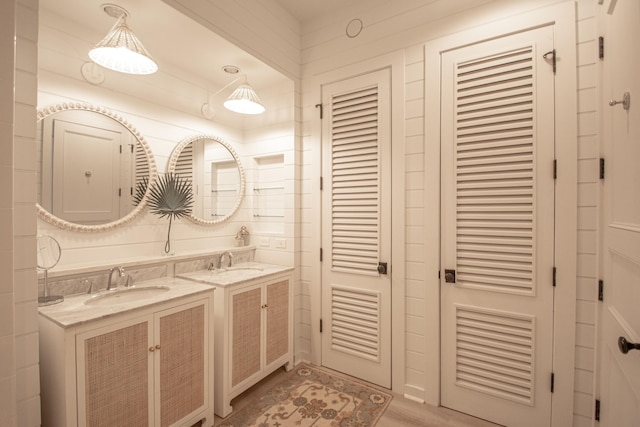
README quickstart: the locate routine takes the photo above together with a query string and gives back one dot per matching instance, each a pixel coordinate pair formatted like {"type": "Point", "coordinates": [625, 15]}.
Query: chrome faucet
{"type": "Point", "coordinates": [229, 255]}
{"type": "Point", "coordinates": [89, 284]}
{"type": "Point", "coordinates": [110, 285]}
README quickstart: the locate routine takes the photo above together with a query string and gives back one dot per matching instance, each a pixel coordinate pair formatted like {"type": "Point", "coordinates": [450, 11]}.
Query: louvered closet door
{"type": "Point", "coordinates": [497, 229]}
{"type": "Point", "coordinates": [356, 301]}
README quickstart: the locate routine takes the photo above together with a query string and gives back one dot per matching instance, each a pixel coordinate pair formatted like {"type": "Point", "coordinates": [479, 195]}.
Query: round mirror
{"type": "Point", "coordinates": [48, 255]}
{"type": "Point", "coordinates": [48, 252]}
{"type": "Point", "coordinates": [218, 179]}
{"type": "Point", "coordinates": [91, 164]}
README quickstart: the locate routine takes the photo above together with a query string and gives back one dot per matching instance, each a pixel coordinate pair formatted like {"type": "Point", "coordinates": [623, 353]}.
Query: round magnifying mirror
{"type": "Point", "coordinates": [48, 255]}
{"type": "Point", "coordinates": [91, 164]}
{"type": "Point", "coordinates": [216, 174]}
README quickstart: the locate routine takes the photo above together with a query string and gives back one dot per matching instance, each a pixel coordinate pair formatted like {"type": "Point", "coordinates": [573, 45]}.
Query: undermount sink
{"type": "Point", "coordinates": [241, 268]}
{"type": "Point", "coordinates": [235, 273]}
{"type": "Point", "coordinates": [126, 295]}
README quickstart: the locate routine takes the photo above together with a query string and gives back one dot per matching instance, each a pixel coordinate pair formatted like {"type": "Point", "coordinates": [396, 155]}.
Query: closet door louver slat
{"type": "Point", "coordinates": [494, 353]}
{"type": "Point", "coordinates": [494, 172]}
{"type": "Point", "coordinates": [141, 164]}
{"type": "Point", "coordinates": [355, 187]}
{"type": "Point", "coordinates": [355, 324]}
{"type": "Point", "coordinates": [184, 165]}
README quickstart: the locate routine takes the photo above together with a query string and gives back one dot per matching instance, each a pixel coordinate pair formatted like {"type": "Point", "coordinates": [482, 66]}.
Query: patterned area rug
{"type": "Point", "coordinates": [310, 396]}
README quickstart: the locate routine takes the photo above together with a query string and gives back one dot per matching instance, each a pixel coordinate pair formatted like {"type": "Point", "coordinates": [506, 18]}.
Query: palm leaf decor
{"type": "Point", "coordinates": [170, 196]}
{"type": "Point", "coordinates": [141, 190]}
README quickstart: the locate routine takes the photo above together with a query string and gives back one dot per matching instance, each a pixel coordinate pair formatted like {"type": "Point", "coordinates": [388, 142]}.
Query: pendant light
{"type": "Point", "coordinates": [121, 50]}
{"type": "Point", "coordinates": [244, 100]}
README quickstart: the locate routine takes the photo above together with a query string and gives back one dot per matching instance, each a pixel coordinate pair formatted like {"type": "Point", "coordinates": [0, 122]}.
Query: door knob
{"type": "Point", "coordinates": [382, 267]}
{"type": "Point", "coordinates": [450, 276]}
{"type": "Point", "coordinates": [625, 346]}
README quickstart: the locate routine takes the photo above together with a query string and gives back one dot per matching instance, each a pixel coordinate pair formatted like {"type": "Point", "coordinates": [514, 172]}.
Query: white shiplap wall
{"type": "Point", "coordinates": [24, 222]}
{"type": "Point", "coordinates": [588, 134]}
{"type": "Point", "coordinates": [261, 27]}
{"type": "Point", "coordinates": [8, 408]}
{"type": "Point", "coordinates": [416, 318]}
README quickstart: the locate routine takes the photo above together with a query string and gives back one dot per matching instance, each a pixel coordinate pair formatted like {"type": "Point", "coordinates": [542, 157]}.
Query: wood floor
{"type": "Point", "coordinates": [401, 412]}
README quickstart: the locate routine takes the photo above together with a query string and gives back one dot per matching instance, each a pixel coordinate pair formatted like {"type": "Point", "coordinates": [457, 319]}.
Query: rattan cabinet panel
{"type": "Point", "coordinates": [116, 385]}
{"type": "Point", "coordinates": [149, 368]}
{"type": "Point", "coordinates": [277, 322]}
{"type": "Point", "coordinates": [182, 358]}
{"type": "Point", "coordinates": [245, 335]}
{"type": "Point", "coordinates": [254, 335]}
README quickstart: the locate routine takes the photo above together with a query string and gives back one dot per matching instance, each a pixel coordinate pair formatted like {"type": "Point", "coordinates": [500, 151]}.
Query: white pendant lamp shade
{"type": "Point", "coordinates": [244, 100]}
{"type": "Point", "coordinates": [121, 51]}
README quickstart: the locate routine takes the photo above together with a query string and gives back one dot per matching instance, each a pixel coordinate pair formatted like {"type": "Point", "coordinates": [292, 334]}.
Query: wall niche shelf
{"type": "Point", "coordinates": [269, 193]}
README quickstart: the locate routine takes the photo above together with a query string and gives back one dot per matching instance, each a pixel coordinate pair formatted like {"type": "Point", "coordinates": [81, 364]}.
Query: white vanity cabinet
{"type": "Point", "coordinates": [148, 367]}
{"type": "Point", "coordinates": [253, 334]}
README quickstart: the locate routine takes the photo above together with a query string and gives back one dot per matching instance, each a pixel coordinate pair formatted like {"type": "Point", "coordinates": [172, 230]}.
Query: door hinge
{"type": "Point", "coordinates": [320, 254]}
{"type": "Point", "coordinates": [601, 47]}
{"type": "Point", "coordinates": [553, 381]}
{"type": "Point", "coordinates": [321, 110]}
{"type": "Point", "coordinates": [120, 149]}
{"type": "Point", "coordinates": [131, 145]}
{"type": "Point", "coordinates": [119, 192]}
{"type": "Point", "coordinates": [554, 274]}
{"type": "Point", "coordinates": [320, 325]}
{"type": "Point", "coordinates": [600, 290]}
{"type": "Point", "coordinates": [596, 415]}
{"type": "Point", "coordinates": [555, 169]}
{"type": "Point", "coordinates": [551, 55]}
{"type": "Point", "coordinates": [601, 168]}
{"type": "Point", "coordinates": [321, 183]}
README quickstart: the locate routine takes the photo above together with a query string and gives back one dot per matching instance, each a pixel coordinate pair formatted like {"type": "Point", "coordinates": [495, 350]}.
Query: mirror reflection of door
{"type": "Point", "coordinates": [224, 184]}
{"type": "Point", "coordinates": [215, 175]}
{"type": "Point", "coordinates": [88, 167]}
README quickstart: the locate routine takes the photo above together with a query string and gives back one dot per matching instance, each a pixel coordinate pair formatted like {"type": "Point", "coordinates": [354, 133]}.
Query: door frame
{"type": "Point", "coordinates": [395, 62]}
{"type": "Point", "coordinates": [562, 17]}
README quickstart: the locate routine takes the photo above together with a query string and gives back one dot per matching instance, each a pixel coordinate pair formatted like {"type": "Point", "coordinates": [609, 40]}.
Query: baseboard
{"type": "Point", "coordinates": [412, 393]}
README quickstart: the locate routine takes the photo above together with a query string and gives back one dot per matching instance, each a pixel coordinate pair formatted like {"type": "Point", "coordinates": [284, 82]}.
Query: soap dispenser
{"type": "Point", "coordinates": [242, 237]}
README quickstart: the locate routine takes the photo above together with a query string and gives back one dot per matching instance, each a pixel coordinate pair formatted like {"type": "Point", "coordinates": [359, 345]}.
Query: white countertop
{"type": "Point", "coordinates": [236, 274]}
{"type": "Point", "coordinates": [73, 310]}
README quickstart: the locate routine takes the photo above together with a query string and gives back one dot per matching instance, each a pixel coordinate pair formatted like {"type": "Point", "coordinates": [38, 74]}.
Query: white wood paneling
{"type": "Point", "coordinates": [23, 407]}
{"type": "Point", "coordinates": [587, 204]}
{"type": "Point", "coordinates": [261, 28]}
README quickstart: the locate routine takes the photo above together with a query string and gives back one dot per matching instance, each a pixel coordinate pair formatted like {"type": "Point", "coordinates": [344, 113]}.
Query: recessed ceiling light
{"type": "Point", "coordinates": [231, 69]}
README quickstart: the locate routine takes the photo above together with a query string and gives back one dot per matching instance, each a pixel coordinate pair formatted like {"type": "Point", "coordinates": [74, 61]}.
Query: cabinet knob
{"type": "Point", "coordinates": [152, 349]}
{"type": "Point", "coordinates": [265, 305]}
{"type": "Point", "coordinates": [158, 347]}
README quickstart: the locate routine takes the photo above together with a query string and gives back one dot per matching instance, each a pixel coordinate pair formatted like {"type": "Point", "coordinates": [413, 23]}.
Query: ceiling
{"type": "Point", "coordinates": [305, 10]}
{"type": "Point", "coordinates": [171, 38]}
